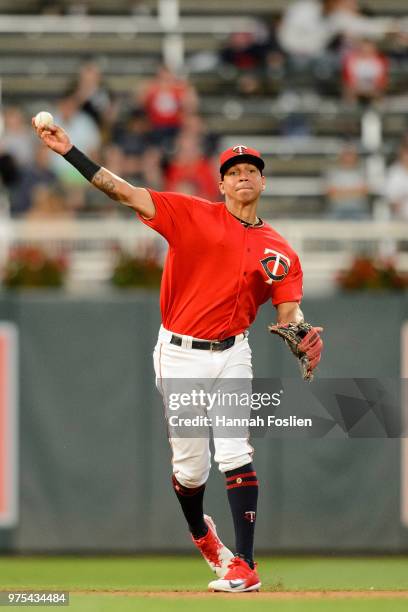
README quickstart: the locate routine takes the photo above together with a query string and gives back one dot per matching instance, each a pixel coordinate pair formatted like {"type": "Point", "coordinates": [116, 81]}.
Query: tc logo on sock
{"type": "Point", "coordinates": [250, 516]}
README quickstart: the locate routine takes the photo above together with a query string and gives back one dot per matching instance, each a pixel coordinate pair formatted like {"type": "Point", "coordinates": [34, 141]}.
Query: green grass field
{"type": "Point", "coordinates": [179, 583]}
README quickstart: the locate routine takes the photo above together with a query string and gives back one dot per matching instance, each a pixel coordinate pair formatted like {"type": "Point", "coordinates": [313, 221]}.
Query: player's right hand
{"type": "Point", "coordinates": [54, 137]}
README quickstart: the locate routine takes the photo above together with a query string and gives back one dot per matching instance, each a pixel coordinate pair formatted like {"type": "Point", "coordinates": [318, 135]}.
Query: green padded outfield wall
{"type": "Point", "coordinates": [94, 457]}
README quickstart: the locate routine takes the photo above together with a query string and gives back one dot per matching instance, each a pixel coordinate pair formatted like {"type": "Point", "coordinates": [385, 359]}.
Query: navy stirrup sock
{"type": "Point", "coordinates": [242, 490]}
{"type": "Point", "coordinates": [191, 501]}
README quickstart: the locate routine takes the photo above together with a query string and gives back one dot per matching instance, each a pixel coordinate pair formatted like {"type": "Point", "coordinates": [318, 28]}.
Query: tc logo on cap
{"type": "Point", "coordinates": [240, 149]}
{"type": "Point", "coordinates": [240, 154]}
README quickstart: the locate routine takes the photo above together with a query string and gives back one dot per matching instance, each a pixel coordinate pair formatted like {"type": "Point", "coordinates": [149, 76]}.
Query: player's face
{"type": "Point", "coordinates": [243, 183]}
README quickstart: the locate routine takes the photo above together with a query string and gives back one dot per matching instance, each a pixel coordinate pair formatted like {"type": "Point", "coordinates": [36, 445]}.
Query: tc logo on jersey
{"type": "Point", "coordinates": [276, 265]}
{"type": "Point", "coordinates": [240, 149]}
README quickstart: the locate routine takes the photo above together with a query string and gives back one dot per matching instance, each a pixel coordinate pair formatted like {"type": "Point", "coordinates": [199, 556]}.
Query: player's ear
{"type": "Point", "coordinates": [221, 187]}
{"type": "Point", "coordinates": [263, 183]}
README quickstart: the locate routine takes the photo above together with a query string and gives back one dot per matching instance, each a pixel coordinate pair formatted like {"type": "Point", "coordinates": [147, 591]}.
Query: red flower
{"type": "Point", "coordinates": [30, 266]}
{"type": "Point", "coordinates": [368, 274]}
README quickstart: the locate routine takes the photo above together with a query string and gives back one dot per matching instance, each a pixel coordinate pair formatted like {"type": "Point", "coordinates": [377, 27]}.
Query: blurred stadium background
{"type": "Point", "coordinates": [153, 90]}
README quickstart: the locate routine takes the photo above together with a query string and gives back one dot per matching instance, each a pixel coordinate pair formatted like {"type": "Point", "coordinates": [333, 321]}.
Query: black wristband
{"type": "Point", "coordinates": [82, 163]}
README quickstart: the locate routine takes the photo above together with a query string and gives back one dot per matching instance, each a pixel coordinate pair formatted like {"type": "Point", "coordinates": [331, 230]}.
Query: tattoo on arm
{"type": "Point", "coordinates": [103, 181]}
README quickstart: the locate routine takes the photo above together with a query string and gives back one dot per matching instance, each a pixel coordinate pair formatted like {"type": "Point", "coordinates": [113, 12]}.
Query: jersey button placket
{"type": "Point", "coordinates": [248, 250]}
{"type": "Point", "coordinates": [242, 274]}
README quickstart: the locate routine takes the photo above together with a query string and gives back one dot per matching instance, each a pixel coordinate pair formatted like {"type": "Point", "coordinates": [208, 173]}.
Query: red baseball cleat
{"type": "Point", "coordinates": [213, 550]}
{"type": "Point", "coordinates": [239, 578]}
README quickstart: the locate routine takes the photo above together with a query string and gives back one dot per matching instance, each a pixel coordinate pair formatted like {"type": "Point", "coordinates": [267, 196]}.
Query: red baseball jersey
{"type": "Point", "coordinates": [217, 271]}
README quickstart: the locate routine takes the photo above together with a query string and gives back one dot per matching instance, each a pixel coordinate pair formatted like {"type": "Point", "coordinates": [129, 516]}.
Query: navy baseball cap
{"type": "Point", "coordinates": [240, 154]}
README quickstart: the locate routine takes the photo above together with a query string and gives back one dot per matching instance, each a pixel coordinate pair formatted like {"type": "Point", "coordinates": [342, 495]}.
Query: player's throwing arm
{"type": "Point", "coordinates": [115, 187]}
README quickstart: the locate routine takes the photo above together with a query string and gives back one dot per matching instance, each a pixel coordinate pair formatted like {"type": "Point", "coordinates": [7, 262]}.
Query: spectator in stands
{"type": "Point", "coordinates": [194, 125]}
{"type": "Point", "coordinates": [30, 176]}
{"type": "Point", "coordinates": [190, 168]}
{"type": "Point", "coordinates": [151, 172]}
{"type": "Point", "coordinates": [365, 72]}
{"type": "Point", "coordinates": [242, 52]}
{"type": "Point", "coordinates": [9, 172]}
{"type": "Point", "coordinates": [345, 18]}
{"type": "Point", "coordinates": [303, 32]}
{"type": "Point", "coordinates": [47, 203]}
{"type": "Point", "coordinates": [142, 160]}
{"type": "Point", "coordinates": [17, 139]}
{"type": "Point", "coordinates": [93, 95]}
{"type": "Point", "coordinates": [305, 37]}
{"type": "Point", "coordinates": [274, 54]}
{"type": "Point", "coordinates": [133, 139]}
{"type": "Point", "coordinates": [166, 100]}
{"type": "Point", "coordinates": [244, 57]}
{"type": "Point", "coordinates": [346, 187]}
{"type": "Point", "coordinates": [396, 185]}
{"type": "Point", "coordinates": [314, 34]}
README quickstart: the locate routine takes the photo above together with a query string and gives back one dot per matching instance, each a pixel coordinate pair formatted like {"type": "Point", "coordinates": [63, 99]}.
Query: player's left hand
{"type": "Point", "coordinates": [305, 343]}
{"type": "Point", "coordinates": [312, 346]}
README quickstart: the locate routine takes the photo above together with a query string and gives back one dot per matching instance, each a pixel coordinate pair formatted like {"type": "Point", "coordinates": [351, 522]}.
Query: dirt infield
{"type": "Point", "coordinates": [263, 595]}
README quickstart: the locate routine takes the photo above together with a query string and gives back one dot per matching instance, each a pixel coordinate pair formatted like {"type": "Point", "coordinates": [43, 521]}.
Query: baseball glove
{"type": "Point", "coordinates": [305, 343]}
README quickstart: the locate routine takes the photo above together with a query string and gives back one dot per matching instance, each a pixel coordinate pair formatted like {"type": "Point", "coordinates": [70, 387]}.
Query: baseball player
{"type": "Point", "coordinates": [223, 263]}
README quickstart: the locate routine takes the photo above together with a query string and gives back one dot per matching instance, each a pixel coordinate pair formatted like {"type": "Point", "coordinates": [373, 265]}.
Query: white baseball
{"type": "Point", "coordinates": [43, 119]}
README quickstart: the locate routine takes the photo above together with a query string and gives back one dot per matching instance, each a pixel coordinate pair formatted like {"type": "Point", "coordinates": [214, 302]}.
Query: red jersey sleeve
{"type": "Point", "coordinates": [173, 211]}
{"type": "Point", "coordinates": [290, 289]}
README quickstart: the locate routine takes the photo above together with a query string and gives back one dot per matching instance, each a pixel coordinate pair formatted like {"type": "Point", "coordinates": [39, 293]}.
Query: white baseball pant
{"type": "Point", "coordinates": [191, 456]}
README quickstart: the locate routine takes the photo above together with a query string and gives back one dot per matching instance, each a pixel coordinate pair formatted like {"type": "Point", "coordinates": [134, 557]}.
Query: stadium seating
{"type": "Point", "coordinates": [39, 59]}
